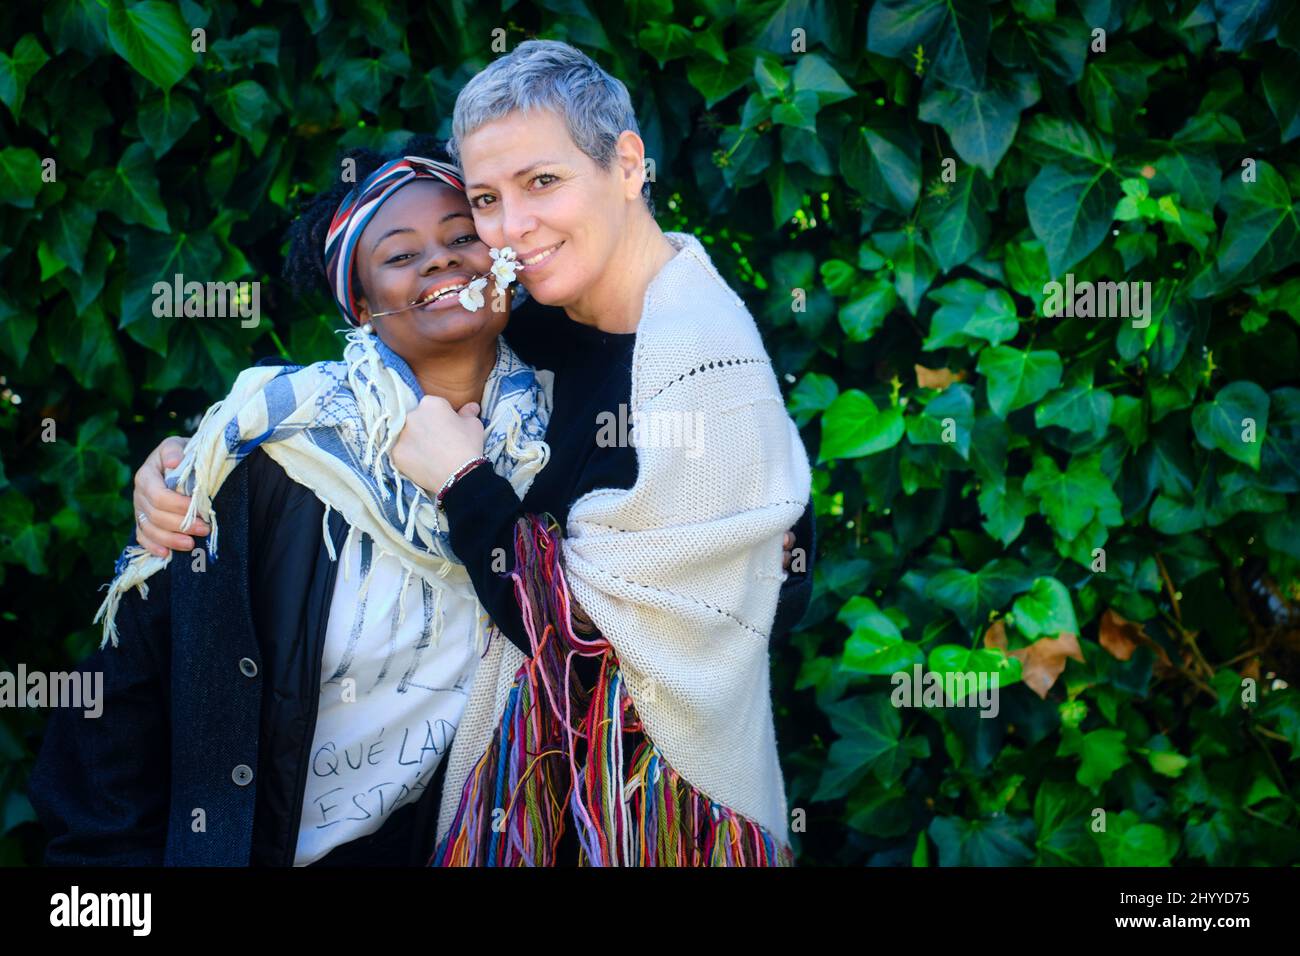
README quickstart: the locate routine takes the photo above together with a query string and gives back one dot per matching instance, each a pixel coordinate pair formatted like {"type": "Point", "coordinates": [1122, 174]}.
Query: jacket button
{"type": "Point", "coordinates": [242, 775]}
{"type": "Point", "coordinates": [248, 667]}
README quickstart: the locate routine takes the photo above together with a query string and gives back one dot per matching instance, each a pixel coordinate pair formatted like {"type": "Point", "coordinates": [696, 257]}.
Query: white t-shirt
{"type": "Point", "coordinates": [390, 699]}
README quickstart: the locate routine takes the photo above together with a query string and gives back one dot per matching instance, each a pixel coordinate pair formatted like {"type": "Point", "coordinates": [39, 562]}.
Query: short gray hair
{"type": "Point", "coordinates": [548, 74]}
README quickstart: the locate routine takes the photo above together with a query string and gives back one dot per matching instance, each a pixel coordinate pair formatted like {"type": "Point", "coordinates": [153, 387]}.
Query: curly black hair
{"type": "Point", "coordinates": [304, 266]}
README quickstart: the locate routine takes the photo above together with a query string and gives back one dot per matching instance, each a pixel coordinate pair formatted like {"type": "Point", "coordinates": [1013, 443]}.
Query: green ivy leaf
{"type": "Point", "coordinates": [1280, 91]}
{"type": "Point", "coordinates": [1000, 670]}
{"type": "Point", "coordinates": [1073, 498]}
{"type": "Point", "coordinates": [814, 393]}
{"type": "Point", "coordinates": [247, 110]}
{"type": "Point", "coordinates": [77, 24]}
{"type": "Point", "coordinates": [1128, 842]}
{"type": "Point", "coordinates": [838, 276]}
{"type": "Point", "coordinates": [1192, 174]}
{"type": "Point", "coordinates": [1045, 611]}
{"type": "Point", "coordinates": [130, 190]}
{"type": "Point", "coordinates": [151, 37]}
{"type": "Point", "coordinates": [897, 27]}
{"type": "Point", "coordinates": [971, 595]}
{"type": "Point", "coordinates": [861, 317]}
{"type": "Point", "coordinates": [1079, 407]}
{"type": "Point", "coordinates": [1212, 840]}
{"type": "Point", "coordinates": [84, 344]}
{"type": "Point", "coordinates": [165, 119]}
{"type": "Point", "coordinates": [1241, 24]}
{"type": "Point", "coordinates": [1057, 139]}
{"type": "Point", "coordinates": [956, 402]}
{"type": "Point", "coordinates": [814, 75]}
{"type": "Point", "coordinates": [20, 176]}
{"type": "Point", "coordinates": [1062, 814]}
{"type": "Point", "coordinates": [1102, 752]}
{"type": "Point", "coordinates": [852, 427]}
{"type": "Point", "coordinates": [67, 227]}
{"type": "Point", "coordinates": [715, 80]}
{"type": "Point", "coordinates": [1221, 424]}
{"type": "Point", "coordinates": [1070, 210]}
{"type": "Point", "coordinates": [801, 112]}
{"type": "Point", "coordinates": [1262, 234]}
{"type": "Point", "coordinates": [89, 471]}
{"type": "Point", "coordinates": [981, 123]}
{"type": "Point", "coordinates": [160, 258]}
{"type": "Point", "coordinates": [1112, 89]}
{"type": "Point", "coordinates": [1002, 841]}
{"type": "Point", "coordinates": [970, 311]}
{"type": "Point", "coordinates": [870, 732]}
{"type": "Point", "coordinates": [1016, 378]}
{"type": "Point", "coordinates": [1005, 510]}
{"type": "Point", "coordinates": [772, 78]}
{"type": "Point", "coordinates": [1060, 47]}
{"type": "Point", "coordinates": [665, 41]}
{"type": "Point", "coordinates": [23, 539]}
{"type": "Point", "coordinates": [367, 80]}
{"type": "Point", "coordinates": [955, 218]}
{"type": "Point", "coordinates": [914, 266]}
{"type": "Point", "coordinates": [16, 330]}
{"type": "Point", "coordinates": [893, 167]}
{"type": "Point", "coordinates": [16, 72]}
{"type": "Point", "coordinates": [959, 27]}
{"type": "Point", "coordinates": [796, 147]}
{"type": "Point", "coordinates": [876, 648]}
{"type": "Point", "coordinates": [258, 45]}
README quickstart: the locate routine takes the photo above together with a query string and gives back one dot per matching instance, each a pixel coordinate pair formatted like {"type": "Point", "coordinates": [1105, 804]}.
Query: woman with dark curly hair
{"type": "Point", "coordinates": [260, 706]}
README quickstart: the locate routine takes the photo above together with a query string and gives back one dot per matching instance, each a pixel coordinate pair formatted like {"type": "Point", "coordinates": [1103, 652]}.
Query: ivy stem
{"type": "Point", "coordinates": [1242, 656]}
{"type": "Point", "coordinates": [1169, 586]}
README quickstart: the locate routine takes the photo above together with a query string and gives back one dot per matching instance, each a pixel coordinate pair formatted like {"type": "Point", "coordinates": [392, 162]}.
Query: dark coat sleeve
{"type": "Point", "coordinates": [101, 785]}
{"type": "Point", "coordinates": [482, 510]}
{"type": "Point", "coordinates": [796, 590]}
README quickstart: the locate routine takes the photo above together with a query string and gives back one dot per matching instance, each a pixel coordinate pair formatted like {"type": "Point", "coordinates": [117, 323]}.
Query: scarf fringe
{"type": "Point", "coordinates": [629, 811]}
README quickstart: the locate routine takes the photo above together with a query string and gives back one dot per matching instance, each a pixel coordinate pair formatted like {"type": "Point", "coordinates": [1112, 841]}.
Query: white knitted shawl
{"type": "Point", "coordinates": [681, 572]}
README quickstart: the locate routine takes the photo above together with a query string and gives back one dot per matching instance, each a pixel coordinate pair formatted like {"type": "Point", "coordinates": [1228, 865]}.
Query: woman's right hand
{"type": "Point", "coordinates": [159, 511]}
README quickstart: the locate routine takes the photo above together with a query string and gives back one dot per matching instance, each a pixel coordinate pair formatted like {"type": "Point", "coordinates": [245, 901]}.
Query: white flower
{"type": "Point", "coordinates": [504, 265]}
{"type": "Point", "coordinates": [471, 297]}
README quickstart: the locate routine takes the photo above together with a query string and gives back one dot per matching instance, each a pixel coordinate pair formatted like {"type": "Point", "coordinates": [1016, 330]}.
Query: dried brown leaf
{"type": "Point", "coordinates": [937, 378]}
{"type": "Point", "coordinates": [1043, 661]}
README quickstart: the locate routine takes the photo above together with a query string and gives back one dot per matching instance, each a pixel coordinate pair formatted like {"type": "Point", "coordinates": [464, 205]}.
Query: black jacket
{"type": "Point", "coordinates": [200, 755]}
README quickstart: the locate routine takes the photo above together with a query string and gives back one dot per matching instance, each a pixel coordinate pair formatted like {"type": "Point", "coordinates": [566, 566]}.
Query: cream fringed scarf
{"type": "Point", "coordinates": [680, 574]}
{"type": "Point", "coordinates": [331, 427]}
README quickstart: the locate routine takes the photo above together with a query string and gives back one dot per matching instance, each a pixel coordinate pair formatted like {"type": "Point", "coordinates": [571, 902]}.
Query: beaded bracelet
{"type": "Point", "coordinates": [458, 474]}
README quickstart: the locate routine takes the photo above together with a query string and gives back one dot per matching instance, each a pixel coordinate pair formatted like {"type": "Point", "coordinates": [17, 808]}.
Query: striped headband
{"type": "Point", "coordinates": [356, 211]}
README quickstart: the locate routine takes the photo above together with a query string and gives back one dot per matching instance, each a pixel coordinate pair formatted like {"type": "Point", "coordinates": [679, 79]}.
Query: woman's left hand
{"type": "Point", "coordinates": [437, 440]}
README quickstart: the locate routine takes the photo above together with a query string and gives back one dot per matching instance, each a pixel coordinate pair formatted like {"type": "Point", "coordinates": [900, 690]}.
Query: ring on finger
{"type": "Point", "coordinates": [141, 518]}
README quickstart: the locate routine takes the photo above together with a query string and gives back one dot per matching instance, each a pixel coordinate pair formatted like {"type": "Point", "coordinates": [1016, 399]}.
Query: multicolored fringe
{"type": "Point", "coordinates": [637, 812]}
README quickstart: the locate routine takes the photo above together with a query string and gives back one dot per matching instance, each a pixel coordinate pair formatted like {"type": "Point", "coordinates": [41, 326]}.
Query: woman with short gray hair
{"type": "Point", "coordinates": [663, 545]}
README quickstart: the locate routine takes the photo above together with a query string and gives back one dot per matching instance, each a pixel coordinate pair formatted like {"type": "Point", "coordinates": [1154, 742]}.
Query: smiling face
{"type": "Point", "coordinates": [422, 243]}
{"type": "Point", "coordinates": [533, 189]}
